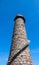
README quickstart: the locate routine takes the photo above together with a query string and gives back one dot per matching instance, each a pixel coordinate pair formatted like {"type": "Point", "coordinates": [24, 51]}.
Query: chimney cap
{"type": "Point", "coordinates": [19, 16]}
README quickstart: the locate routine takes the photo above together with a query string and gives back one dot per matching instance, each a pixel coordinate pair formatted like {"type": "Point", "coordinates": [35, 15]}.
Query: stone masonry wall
{"type": "Point", "coordinates": [19, 41]}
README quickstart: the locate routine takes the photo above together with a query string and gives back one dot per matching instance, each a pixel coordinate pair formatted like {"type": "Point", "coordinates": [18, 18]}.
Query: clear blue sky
{"type": "Point", "coordinates": [8, 10]}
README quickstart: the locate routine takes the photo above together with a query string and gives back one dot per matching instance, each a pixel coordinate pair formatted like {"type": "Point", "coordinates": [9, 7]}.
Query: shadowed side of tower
{"type": "Point", "coordinates": [19, 52]}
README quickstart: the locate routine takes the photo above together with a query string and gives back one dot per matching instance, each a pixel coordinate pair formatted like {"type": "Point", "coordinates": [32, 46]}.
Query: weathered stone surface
{"type": "Point", "coordinates": [19, 41]}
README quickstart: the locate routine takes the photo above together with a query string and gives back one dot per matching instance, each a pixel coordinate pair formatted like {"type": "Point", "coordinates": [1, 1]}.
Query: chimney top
{"type": "Point", "coordinates": [19, 16]}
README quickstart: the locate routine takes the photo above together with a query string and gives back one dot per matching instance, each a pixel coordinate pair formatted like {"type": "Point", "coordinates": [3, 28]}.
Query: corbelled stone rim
{"type": "Point", "coordinates": [19, 16]}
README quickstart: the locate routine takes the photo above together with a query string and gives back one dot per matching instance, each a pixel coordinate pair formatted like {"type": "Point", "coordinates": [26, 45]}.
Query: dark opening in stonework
{"type": "Point", "coordinates": [22, 25]}
{"type": "Point", "coordinates": [21, 55]}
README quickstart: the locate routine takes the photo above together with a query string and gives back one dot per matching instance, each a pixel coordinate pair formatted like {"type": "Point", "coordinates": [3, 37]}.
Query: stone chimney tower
{"type": "Point", "coordinates": [19, 52]}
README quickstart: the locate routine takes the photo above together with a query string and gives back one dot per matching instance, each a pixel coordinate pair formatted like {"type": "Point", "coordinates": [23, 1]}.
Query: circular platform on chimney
{"type": "Point", "coordinates": [19, 16]}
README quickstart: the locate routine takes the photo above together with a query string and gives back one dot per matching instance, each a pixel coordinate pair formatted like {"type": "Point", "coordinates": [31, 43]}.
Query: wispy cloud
{"type": "Point", "coordinates": [35, 51]}
{"type": "Point", "coordinates": [3, 60]}
{"type": "Point", "coordinates": [35, 56]}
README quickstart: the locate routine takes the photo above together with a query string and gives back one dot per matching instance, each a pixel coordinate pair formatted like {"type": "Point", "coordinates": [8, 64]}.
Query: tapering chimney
{"type": "Point", "coordinates": [19, 52]}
